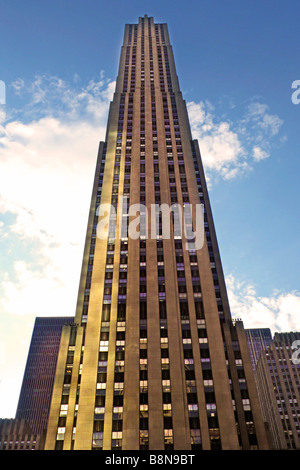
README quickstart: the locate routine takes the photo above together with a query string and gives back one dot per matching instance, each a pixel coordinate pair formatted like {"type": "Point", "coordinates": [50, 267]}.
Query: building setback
{"type": "Point", "coordinates": [258, 339]}
{"type": "Point", "coordinates": [154, 360]}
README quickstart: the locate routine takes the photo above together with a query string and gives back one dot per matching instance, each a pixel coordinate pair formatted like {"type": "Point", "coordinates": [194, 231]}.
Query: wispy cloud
{"type": "Point", "coordinates": [259, 114]}
{"type": "Point", "coordinates": [259, 154]}
{"type": "Point", "coordinates": [49, 95]}
{"type": "Point", "coordinates": [280, 312]}
{"type": "Point", "coordinates": [17, 85]}
{"type": "Point", "coordinates": [46, 168]}
{"type": "Point", "coordinates": [229, 148]}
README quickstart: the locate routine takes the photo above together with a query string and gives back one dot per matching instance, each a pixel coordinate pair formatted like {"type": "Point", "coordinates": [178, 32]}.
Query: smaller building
{"type": "Point", "coordinates": [278, 383]}
{"type": "Point", "coordinates": [36, 391]}
{"type": "Point", "coordinates": [16, 434]}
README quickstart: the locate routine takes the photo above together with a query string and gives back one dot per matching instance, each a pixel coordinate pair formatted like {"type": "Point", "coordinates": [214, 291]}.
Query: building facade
{"type": "Point", "coordinates": [16, 434]}
{"type": "Point", "coordinates": [258, 340]}
{"type": "Point", "coordinates": [36, 390]}
{"type": "Point", "coordinates": [154, 360]}
{"type": "Point", "coordinates": [278, 383]}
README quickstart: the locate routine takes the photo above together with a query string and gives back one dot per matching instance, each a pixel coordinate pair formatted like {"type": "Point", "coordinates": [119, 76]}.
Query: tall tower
{"type": "Point", "coordinates": [155, 361]}
{"type": "Point", "coordinates": [36, 391]}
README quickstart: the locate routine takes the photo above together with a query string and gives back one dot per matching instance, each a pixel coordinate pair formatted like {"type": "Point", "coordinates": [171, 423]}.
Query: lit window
{"type": "Point", "coordinates": [119, 385]}
{"type": "Point", "coordinates": [99, 410]}
{"type": "Point", "coordinates": [208, 382]}
{"type": "Point", "coordinates": [101, 386]}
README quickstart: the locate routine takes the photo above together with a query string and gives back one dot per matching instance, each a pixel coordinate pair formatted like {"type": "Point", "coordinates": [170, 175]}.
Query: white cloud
{"type": "Point", "coordinates": [48, 291]}
{"type": "Point", "coordinates": [2, 117]}
{"type": "Point", "coordinates": [229, 150]}
{"type": "Point", "coordinates": [258, 112]}
{"type": "Point", "coordinates": [48, 95]}
{"type": "Point", "coordinates": [259, 154]}
{"type": "Point", "coordinates": [18, 85]}
{"type": "Point", "coordinates": [280, 312]}
{"type": "Point", "coordinates": [221, 148]}
{"type": "Point", "coordinates": [46, 171]}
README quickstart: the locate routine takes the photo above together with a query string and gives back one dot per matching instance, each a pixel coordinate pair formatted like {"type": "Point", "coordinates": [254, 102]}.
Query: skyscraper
{"type": "Point", "coordinates": [155, 361]}
{"type": "Point", "coordinates": [36, 391]}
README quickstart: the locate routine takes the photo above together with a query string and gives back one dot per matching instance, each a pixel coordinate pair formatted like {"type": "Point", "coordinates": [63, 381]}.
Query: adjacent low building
{"type": "Point", "coordinates": [36, 390]}
{"type": "Point", "coordinates": [16, 434]}
{"type": "Point", "coordinates": [277, 376]}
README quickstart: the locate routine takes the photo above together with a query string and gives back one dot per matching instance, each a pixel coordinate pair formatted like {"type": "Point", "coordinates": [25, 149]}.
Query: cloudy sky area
{"type": "Point", "coordinates": [59, 66]}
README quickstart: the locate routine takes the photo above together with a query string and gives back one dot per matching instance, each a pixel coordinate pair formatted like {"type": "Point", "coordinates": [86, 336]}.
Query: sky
{"type": "Point", "coordinates": [236, 62]}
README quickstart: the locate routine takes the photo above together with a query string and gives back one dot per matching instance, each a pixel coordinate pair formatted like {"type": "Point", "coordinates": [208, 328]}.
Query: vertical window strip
{"type": "Point", "coordinates": [61, 426]}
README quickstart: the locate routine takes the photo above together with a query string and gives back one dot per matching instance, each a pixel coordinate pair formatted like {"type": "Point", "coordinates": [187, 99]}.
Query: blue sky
{"type": "Point", "coordinates": [236, 62]}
